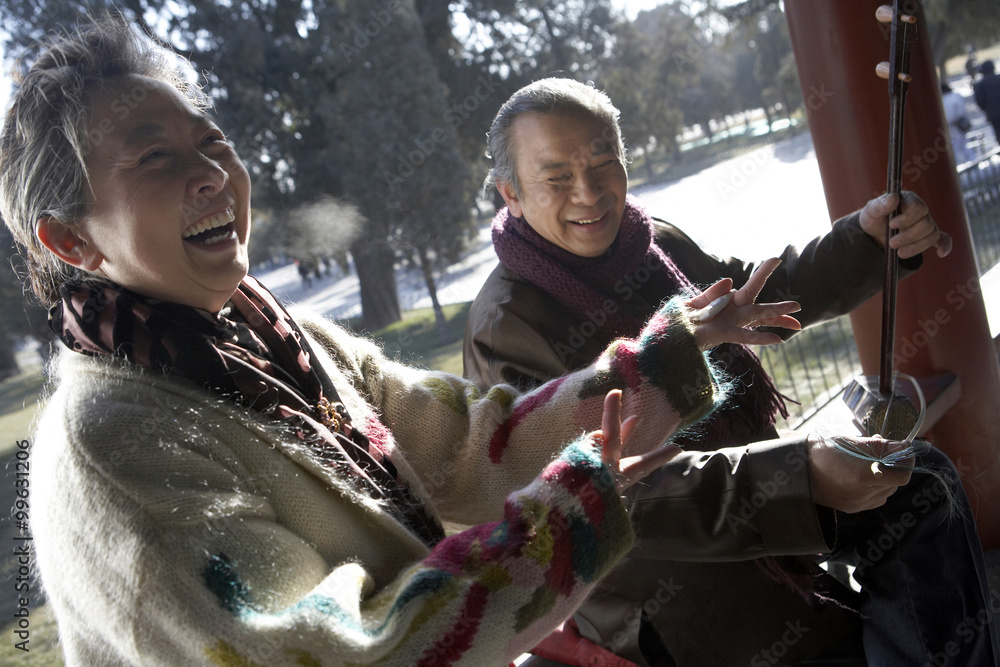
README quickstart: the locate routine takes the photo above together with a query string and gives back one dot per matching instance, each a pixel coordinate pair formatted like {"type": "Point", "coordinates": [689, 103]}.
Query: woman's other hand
{"type": "Point", "coordinates": [721, 314]}
{"type": "Point", "coordinates": [613, 437]}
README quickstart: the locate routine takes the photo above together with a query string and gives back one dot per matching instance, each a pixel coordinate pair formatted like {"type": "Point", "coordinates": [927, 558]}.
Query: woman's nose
{"type": "Point", "coordinates": [207, 178]}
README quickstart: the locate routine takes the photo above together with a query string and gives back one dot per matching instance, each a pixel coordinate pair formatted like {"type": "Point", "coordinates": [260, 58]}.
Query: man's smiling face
{"type": "Point", "coordinates": [572, 181]}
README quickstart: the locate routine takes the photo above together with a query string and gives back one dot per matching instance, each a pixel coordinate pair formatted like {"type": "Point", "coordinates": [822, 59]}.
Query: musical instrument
{"type": "Point", "coordinates": [878, 406]}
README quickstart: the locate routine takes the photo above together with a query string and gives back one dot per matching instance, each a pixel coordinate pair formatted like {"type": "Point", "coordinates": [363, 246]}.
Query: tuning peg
{"type": "Point", "coordinates": [882, 71]}
{"type": "Point", "coordinates": [884, 14]}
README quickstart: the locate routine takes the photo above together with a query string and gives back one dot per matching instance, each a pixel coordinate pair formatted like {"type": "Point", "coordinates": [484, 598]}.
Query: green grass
{"type": "Point", "coordinates": [19, 398]}
{"type": "Point", "coordinates": [43, 644]}
{"type": "Point", "coordinates": [18, 403]}
{"type": "Point", "coordinates": [415, 340]}
{"type": "Point", "coordinates": [698, 158]}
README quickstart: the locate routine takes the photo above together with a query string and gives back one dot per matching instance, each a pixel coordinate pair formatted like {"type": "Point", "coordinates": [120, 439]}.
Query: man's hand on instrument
{"type": "Point", "coordinates": [917, 229]}
{"type": "Point", "coordinates": [851, 484]}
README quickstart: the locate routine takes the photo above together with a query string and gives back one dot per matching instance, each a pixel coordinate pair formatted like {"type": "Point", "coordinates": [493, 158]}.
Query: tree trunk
{"type": "Point", "coordinates": [8, 360]}
{"type": "Point", "coordinates": [648, 163]}
{"type": "Point", "coordinates": [375, 264]}
{"type": "Point", "coordinates": [428, 271]}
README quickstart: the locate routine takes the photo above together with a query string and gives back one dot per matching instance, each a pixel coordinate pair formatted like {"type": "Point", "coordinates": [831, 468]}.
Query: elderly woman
{"type": "Point", "coordinates": [214, 482]}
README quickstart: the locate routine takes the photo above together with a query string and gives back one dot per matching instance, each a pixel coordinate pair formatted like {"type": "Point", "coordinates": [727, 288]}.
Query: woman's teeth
{"type": "Point", "coordinates": [211, 229]}
{"type": "Point", "coordinates": [220, 219]}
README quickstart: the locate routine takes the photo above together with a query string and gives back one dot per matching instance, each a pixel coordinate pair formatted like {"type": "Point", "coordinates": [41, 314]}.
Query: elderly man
{"type": "Point", "coordinates": [724, 572]}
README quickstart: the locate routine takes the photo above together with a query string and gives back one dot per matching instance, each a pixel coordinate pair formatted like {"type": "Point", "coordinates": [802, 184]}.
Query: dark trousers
{"type": "Point", "coordinates": [925, 597]}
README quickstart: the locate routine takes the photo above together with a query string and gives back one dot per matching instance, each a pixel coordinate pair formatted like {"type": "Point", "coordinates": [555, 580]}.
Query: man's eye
{"type": "Point", "coordinates": [152, 156]}
{"type": "Point", "coordinates": [560, 179]}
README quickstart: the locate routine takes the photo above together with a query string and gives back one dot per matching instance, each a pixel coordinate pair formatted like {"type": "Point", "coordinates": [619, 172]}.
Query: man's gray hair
{"type": "Point", "coordinates": [44, 145]}
{"type": "Point", "coordinates": [546, 96]}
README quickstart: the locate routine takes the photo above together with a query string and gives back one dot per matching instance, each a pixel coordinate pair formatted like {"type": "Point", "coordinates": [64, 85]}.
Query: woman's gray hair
{"type": "Point", "coordinates": [45, 143]}
{"type": "Point", "coordinates": [546, 96]}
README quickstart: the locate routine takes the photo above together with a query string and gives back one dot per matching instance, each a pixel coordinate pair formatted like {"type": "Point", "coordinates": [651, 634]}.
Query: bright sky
{"type": "Point", "coordinates": [633, 7]}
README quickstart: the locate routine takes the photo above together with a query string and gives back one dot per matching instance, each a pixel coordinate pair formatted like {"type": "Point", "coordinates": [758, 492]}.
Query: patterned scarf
{"type": "Point", "coordinates": [581, 283]}
{"type": "Point", "coordinates": [256, 357]}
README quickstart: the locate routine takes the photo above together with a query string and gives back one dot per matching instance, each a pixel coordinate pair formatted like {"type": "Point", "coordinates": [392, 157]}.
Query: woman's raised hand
{"type": "Point", "coordinates": [613, 437]}
{"type": "Point", "coordinates": [721, 314]}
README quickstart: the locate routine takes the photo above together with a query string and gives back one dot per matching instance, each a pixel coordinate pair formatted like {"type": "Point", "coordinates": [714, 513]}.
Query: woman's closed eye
{"type": "Point", "coordinates": [217, 142]}
{"type": "Point", "coordinates": [152, 156]}
{"type": "Point", "coordinates": [215, 137]}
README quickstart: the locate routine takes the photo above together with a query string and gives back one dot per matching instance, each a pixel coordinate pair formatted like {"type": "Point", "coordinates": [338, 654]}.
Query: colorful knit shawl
{"type": "Point", "coordinates": [579, 284]}
{"type": "Point", "coordinates": [255, 356]}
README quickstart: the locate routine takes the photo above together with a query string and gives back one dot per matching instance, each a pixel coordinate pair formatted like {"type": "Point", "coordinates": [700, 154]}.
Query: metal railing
{"type": "Point", "coordinates": [815, 367]}
{"type": "Point", "coordinates": [981, 191]}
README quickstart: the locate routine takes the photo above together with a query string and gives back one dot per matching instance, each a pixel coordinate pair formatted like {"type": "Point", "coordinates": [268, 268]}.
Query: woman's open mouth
{"type": "Point", "coordinates": [213, 229]}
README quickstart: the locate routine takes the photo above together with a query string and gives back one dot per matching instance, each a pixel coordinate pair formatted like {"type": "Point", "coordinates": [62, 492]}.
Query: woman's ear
{"type": "Point", "coordinates": [68, 244]}
{"type": "Point", "coordinates": [506, 191]}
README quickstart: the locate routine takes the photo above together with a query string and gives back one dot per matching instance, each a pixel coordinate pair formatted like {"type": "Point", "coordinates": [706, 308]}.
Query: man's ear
{"type": "Point", "coordinates": [68, 243]}
{"type": "Point", "coordinates": [506, 191]}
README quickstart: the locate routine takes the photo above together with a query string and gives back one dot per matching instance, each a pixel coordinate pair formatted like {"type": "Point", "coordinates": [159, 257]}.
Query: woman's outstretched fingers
{"type": "Point", "coordinates": [751, 290]}
{"type": "Point", "coordinates": [611, 425]}
{"type": "Point", "coordinates": [718, 289]}
{"type": "Point", "coordinates": [613, 437]}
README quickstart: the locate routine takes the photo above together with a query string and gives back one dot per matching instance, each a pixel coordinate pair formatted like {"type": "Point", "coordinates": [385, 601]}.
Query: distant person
{"type": "Point", "coordinates": [958, 124]}
{"type": "Point", "coordinates": [714, 579]}
{"type": "Point", "coordinates": [305, 269]}
{"type": "Point", "coordinates": [970, 64]}
{"type": "Point", "coordinates": [987, 95]}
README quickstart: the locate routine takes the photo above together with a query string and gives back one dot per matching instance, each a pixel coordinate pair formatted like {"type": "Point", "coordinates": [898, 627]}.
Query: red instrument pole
{"type": "Point", "coordinates": [941, 324]}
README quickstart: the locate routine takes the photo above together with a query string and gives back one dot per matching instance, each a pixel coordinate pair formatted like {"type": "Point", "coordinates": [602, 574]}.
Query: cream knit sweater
{"type": "Point", "coordinates": [174, 528]}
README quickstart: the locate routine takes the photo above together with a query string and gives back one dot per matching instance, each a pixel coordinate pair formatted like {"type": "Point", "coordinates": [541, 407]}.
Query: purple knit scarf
{"type": "Point", "coordinates": [579, 283]}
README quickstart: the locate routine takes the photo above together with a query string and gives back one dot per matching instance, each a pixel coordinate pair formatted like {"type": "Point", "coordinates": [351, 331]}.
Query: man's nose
{"type": "Point", "coordinates": [588, 188]}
